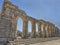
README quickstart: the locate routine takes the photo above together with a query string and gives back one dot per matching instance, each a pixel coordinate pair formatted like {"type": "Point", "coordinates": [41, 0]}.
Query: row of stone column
{"type": "Point", "coordinates": [48, 30]}
{"type": "Point", "coordinates": [45, 29]}
{"type": "Point", "coordinates": [25, 29]}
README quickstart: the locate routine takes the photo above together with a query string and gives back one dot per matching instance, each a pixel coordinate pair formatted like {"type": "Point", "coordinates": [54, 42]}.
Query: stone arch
{"type": "Point", "coordinates": [39, 28]}
{"type": "Point", "coordinates": [33, 22]}
{"type": "Point", "coordinates": [47, 28]}
{"type": "Point", "coordinates": [29, 25]}
{"type": "Point", "coordinates": [36, 27]}
{"type": "Point", "coordinates": [43, 28]}
{"type": "Point", "coordinates": [36, 30]}
{"type": "Point", "coordinates": [21, 14]}
{"type": "Point", "coordinates": [29, 28]}
{"type": "Point", "coordinates": [19, 26]}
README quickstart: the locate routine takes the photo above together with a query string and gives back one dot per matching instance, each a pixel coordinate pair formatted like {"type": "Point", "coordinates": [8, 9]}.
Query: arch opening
{"type": "Point", "coordinates": [19, 26]}
{"type": "Point", "coordinates": [29, 28]}
{"type": "Point", "coordinates": [36, 30]}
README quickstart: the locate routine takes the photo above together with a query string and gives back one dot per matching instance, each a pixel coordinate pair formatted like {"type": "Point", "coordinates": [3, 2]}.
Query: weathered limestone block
{"type": "Point", "coordinates": [33, 34]}
{"type": "Point", "coordinates": [44, 35]}
{"type": "Point", "coordinates": [39, 29]}
{"type": "Point", "coordinates": [57, 31]}
{"type": "Point", "coordinates": [4, 28]}
{"type": "Point", "coordinates": [43, 29]}
{"type": "Point", "coordinates": [47, 34]}
{"type": "Point", "coordinates": [8, 25]}
{"type": "Point", "coordinates": [54, 31]}
{"type": "Point", "coordinates": [25, 29]}
{"type": "Point", "coordinates": [49, 30]}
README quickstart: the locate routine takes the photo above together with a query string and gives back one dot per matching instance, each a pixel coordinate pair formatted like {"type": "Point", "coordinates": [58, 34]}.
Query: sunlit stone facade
{"type": "Point", "coordinates": [8, 24]}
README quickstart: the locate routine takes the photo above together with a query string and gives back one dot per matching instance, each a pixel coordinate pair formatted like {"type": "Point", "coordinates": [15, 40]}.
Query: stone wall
{"type": "Point", "coordinates": [11, 13]}
{"type": "Point", "coordinates": [8, 24]}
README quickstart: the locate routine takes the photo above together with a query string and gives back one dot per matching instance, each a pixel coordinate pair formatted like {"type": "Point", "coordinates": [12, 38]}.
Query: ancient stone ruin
{"type": "Point", "coordinates": [8, 26]}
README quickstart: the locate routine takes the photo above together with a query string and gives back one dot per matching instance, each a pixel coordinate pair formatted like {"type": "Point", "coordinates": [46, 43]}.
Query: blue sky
{"type": "Point", "coordinates": [48, 10]}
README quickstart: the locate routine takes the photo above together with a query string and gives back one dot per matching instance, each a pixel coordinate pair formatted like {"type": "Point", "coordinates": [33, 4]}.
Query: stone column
{"type": "Point", "coordinates": [47, 29]}
{"type": "Point", "coordinates": [16, 28]}
{"type": "Point", "coordinates": [13, 30]}
{"type": "Point", "coordinates": [25, 29]}
{"type": "Point", "coordinates": [33, 34]}
{"type": "Point", "coordinates": [43, 30]}
{"type": "Point", "coordinates": [55, 32]}
{"type": "Point", "coordinates": [39, 29]}
{"type": "Point", "coordinates": [50, 31]}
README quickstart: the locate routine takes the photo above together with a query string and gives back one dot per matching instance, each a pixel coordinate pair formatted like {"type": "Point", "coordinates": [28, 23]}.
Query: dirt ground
{"type": "Point", "coordinates": [53, 42]}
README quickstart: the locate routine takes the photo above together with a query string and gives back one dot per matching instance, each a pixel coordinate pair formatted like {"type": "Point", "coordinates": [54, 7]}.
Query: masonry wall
{"type": "Point", "coordinates": [8, 22]}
